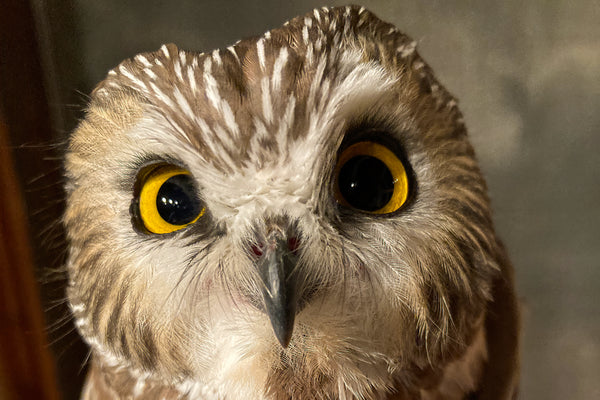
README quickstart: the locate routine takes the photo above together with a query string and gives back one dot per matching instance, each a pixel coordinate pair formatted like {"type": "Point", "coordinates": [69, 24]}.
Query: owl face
{"type": "Point", "coordinates": [297, 212]}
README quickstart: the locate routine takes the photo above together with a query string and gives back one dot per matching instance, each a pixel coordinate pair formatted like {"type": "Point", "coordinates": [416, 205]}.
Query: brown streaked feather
{"type": "Point", "coordinates": [408, 305]}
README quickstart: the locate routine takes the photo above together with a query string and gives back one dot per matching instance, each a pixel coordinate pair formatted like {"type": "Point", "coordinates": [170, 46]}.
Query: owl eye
{"type": "Point", "coordinates": [167, 200]}
{"type": "Point", "coordinates": [371, 178]}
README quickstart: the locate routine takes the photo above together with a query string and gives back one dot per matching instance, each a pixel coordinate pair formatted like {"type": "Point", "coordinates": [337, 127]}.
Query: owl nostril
{"type": "Point", "coordinates": [293, 243]}
{"type": "Point", "coordinates": [257, 249]}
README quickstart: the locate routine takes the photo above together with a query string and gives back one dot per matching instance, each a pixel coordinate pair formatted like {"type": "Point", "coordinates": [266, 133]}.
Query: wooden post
{"type": "Point", "coordinates": [27, 368]}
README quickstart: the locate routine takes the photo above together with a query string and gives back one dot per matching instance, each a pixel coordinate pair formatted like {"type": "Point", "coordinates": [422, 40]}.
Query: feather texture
{"type": "Point", "coordinates": [393, 306]}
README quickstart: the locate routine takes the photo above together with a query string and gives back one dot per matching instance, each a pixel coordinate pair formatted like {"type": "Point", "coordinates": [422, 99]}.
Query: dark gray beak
{"type": "Point", "coordinates": [275, 266]}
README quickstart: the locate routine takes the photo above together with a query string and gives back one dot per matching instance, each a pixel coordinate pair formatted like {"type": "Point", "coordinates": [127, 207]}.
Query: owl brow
{"type": "Point", "coordinates": [378, 128]}
{"type": "Point", "coordinates": [143, 161]}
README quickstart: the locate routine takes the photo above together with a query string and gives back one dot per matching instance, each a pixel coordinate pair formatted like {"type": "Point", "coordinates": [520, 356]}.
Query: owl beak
{"type": "Point", "coordinates": [275, 266]}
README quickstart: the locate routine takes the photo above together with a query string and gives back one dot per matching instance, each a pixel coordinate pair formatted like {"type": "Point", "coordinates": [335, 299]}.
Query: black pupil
{"type": "Point", "coordinates": [176, 201]}
{"type": "Point", "coordinates": [366, 183]}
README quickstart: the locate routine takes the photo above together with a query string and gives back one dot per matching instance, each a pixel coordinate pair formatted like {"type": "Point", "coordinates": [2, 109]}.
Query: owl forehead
{"type": "Point", "coordinates": [254, 101]}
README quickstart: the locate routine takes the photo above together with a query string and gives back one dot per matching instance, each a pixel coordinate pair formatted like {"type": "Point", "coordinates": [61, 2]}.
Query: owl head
{"type": "Point", "coordinates": [300, 212]}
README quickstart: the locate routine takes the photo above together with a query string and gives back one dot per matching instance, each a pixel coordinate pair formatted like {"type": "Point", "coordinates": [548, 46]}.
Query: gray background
{"type": "Point", "coordinates": [527, 75]}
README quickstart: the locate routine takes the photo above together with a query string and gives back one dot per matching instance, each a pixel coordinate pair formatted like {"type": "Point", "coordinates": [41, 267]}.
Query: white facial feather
{"type": "Point", "coordinates": [392, 305]}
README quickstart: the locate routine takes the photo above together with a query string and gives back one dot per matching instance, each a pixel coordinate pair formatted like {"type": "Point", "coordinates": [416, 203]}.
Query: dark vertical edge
{"type": "Point", "coordinates": [35, 118]}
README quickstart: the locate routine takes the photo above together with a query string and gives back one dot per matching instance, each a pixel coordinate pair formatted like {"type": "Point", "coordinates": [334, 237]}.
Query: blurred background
{"type": "Point", "coordinates": [527, 76]}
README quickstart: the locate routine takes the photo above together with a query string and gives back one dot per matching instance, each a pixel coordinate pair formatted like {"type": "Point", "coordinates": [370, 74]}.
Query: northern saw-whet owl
{"type": "Point", "coordinates": [297, 216]}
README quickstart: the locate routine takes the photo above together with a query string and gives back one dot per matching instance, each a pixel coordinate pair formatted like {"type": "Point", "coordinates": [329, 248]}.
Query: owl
{"type": "Point", "coordinates": [297, 216]}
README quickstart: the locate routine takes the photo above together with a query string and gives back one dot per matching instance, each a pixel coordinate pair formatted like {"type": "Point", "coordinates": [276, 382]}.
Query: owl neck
{"type": "Point", "coordinates": [117, 382]}
{"type": "Point", "coordinates": [106, 380]}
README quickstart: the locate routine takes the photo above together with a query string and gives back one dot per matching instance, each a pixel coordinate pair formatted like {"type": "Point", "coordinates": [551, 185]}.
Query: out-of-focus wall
{"type": "Point", "coordinates": [527, 75]}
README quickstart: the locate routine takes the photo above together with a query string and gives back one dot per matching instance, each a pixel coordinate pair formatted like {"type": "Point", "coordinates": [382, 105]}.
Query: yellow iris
{"type": "Point", "coordinates": [167, 201]}
{"type": "Point", "coordinates": [371, 178]}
